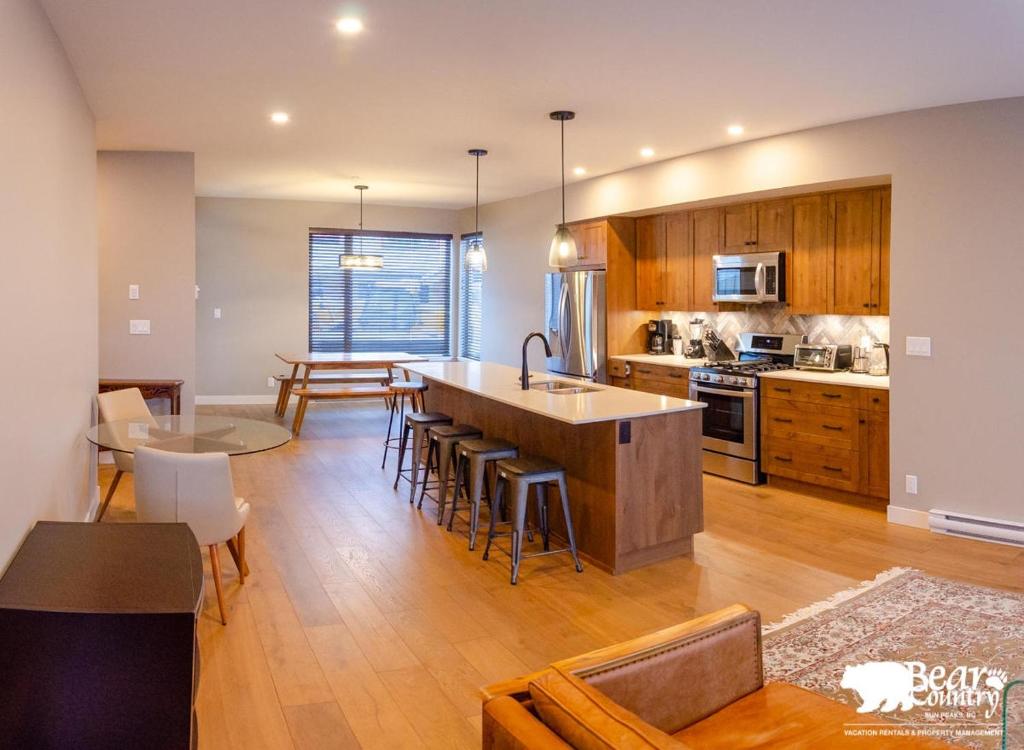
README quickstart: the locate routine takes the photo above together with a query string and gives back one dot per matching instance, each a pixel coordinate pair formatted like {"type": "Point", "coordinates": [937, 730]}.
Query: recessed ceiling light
{"type": "Point", "coordinates": [647, 152]}
{"type": "Point", "coordinates": [279, 118]}
{"type": "Point", "coordinates": [579, 171]}
{"type": "Point", "coordinates": [735, 130]}
{"type": "Point", "coordinates": [349, 25]}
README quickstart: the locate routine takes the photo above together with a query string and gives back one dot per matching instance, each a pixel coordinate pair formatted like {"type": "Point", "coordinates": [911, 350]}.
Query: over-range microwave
{"type": "Point", "coordinates": [749, 278]}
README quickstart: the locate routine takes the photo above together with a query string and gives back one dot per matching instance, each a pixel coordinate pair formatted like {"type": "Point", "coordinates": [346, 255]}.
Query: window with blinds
{"type": "Point", "coordinates": [405, 306]}
{"type": "Point", "coordinates": [470, 290]}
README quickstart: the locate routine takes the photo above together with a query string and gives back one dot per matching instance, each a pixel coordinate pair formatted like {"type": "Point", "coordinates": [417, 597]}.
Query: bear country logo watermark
{"type": "Point", "coordinates": [888, 686]}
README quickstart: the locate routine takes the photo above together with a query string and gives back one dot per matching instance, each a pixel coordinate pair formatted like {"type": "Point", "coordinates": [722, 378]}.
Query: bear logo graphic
{"type": "Point", "coordinates": [880, 685]}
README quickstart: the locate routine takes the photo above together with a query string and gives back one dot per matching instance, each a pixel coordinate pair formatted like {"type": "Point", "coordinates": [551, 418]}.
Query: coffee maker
{"type": "Point", "coordinates": [695, 349]}
{"type": "Point", "coordinates": [659, 336]}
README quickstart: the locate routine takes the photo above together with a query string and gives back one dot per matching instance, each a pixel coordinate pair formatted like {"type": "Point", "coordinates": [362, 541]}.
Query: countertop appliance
{"type": "Point", "coordinates": [574, 311]}
{"type": "Point", "coordinates": [659, 336]}
{"type": "Point", "coordinates": [695, 349]}
{"type": "Point", "coordinates": [731, 427]}
{"type": "Point", "coordinates": [878, 361]}
{"type": "Point", "coordinates": [749, 278]}
{"type": "Point", "coordinates": [823, 357]}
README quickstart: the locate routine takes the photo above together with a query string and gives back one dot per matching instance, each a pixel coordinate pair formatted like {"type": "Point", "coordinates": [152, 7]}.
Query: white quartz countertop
{"type": "Point", "coordinates": [858, 380]}
{"type": "Point", "coordinates": [501, 383]}
{"type": "Point", "coordinates": [670, 360]}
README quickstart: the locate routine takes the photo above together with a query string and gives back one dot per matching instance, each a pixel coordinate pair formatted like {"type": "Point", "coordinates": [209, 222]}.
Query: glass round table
{"type": "Point", "coordinates": [201, 433]}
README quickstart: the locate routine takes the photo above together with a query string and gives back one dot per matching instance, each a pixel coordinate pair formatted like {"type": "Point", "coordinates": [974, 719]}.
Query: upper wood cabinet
{"type": "Point", "coordinates": [678, 293]}
{"type": "Point", "coordinates": [706, 232]}
{"type": "Point", "coordinates": [650, 262]}
{"type": "Point", "coordinates": [809, 265]}
{"type": "Point", "coordinates": [739, 229]}
{"type": "Point", "coordinates": [774, 226]}
{"type": "Point", "coordinates": [856, 235]}
{"type": "Point", "coordinates": [882, 298]}
{"type": "Point", "coordinates": [591, 242]}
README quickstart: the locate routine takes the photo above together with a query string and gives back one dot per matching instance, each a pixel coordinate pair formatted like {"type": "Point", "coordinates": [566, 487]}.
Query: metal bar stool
{"type": "Point", "coordinates": [399, 389]}
{"type": "Point", "coordinates": [442, 441]}
{"type": "Point", "coordinates": [515, 477]}
{"type": "Point", "coordinates": [417, 425]}
{"type": "Point", "coordinates": [474, 458]}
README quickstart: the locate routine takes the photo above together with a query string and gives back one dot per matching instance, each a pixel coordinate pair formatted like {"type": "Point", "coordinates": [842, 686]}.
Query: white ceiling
{"type": "Point", "coordinates": [397, 106]}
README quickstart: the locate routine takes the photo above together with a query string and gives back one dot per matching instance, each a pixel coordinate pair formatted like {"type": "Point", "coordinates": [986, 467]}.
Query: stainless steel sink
{"type": "Point", "coordinates": [561, 387]}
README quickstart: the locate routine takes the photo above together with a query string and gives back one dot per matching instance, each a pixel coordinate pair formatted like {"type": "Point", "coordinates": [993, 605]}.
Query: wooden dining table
{"type": "Point", "coordinates": [336, 361]}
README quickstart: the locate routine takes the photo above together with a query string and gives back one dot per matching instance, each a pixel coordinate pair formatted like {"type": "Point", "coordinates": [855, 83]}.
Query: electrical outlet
{"type": "Point", "coordinates": [911, 484]}
{"type": "Point", "coordinates": [270, 381]}
{"type": "Point", "coordinates": [138, 327]}
{"type": "Point", "coordinates": [919, 346]}
{"type": "Point", "coordinates": [133, 291]}
{"type": "Point", "coordinates": [216, 312]}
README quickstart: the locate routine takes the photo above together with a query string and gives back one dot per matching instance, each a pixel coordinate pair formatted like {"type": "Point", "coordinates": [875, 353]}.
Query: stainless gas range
{"type": "Point", "coordinates": [732, 444]}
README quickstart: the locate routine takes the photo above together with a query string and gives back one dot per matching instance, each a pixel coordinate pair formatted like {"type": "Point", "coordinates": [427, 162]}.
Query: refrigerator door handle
{"type": "Point", "coordinates": [563, 324]}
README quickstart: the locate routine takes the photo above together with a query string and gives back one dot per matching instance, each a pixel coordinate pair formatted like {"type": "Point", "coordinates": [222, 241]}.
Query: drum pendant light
{"type": "Point", "coordinates": [476, 256]}
{"type": "Point", "coordinates": [357, 261]}
{"type": "Point", "coordinates": [563, 247]}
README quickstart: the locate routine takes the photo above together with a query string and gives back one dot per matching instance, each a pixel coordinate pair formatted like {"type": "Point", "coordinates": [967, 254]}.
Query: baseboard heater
{"type": "Point", "coordinates": [996, 530]}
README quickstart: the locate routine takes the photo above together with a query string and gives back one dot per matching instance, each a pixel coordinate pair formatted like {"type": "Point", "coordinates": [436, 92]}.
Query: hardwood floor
{"type": "Point", "coordinates": [363, 624]}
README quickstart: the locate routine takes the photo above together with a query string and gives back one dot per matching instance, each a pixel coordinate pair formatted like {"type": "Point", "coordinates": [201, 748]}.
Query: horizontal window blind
{"type": "Point", "coordinates": [405, 306]}
{"type": "Point", "coordinates": [470, 303]}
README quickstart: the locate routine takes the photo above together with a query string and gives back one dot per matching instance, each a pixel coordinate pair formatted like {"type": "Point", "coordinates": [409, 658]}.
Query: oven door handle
{"type": "Point", "coordinates": [722, 392]}
{"type": "Point", "coordinates": [760, 281]}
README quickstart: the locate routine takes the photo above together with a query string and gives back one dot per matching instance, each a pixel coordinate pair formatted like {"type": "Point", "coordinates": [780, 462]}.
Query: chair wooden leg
{"type": "Point", "coordinates": [236, 546]}
{"type": "Point", "coordinates": [110, 495]}
{"type": "Point", "coordinates": [300, 414]}
{"type": "Point", "coordinates": [241, 552]}
{"type": "Point", "coordinates": [215, 563]}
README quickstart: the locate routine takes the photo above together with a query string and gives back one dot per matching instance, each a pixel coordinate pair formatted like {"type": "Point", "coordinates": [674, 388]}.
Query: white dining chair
{"type": "Point", "coordinates": [114, 406]}
{"type": "Point", "coordinates": [194, 488]}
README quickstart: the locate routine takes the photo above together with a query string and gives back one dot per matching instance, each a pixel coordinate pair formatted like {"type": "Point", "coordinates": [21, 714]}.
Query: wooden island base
{"type": "Point", "coordinates": [635, 486]}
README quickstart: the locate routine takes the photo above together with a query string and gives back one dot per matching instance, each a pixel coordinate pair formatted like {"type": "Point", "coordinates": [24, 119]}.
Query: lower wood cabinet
{"type": "Point", "coordinates": [833, 436]}
{"type": "Point", "coordinates": [664, 380]}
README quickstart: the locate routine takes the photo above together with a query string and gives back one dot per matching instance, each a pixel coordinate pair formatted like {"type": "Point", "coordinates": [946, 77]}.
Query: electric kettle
{"type": "Point", "coordinates": [878, 362]}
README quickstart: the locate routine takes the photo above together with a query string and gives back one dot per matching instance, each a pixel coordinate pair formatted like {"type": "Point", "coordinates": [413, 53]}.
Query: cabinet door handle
{"type": "Point", "coordinates": [832, 395]}
{"type": "Point", "coordinates": [645, 372]}
{"type": "Point", "coordinates": [866, 304]}
{"type": "Point", "coordinates": [784, 459]}
{"type": "Point", "coordinates": [832, 468]}
{"type": "Point", "coordinates": [782, 390]}
{"type": "Point", "coordinates": [783, 420]}
{"type": "Point", "coordinates": [675, 375]}
{"type": "Point", "coordinates": [832, 427]}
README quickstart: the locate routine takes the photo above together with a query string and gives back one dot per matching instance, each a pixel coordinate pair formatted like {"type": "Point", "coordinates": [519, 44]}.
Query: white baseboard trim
{"type": "Point", "coordinates": [235, 400]}
{"type": "Point", "coordinates": [94, 504]}
{"type": "Point", "coordinates": [907, 516]}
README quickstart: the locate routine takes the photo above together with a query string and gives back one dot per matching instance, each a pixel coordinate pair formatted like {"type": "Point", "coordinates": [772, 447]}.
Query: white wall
{"type": "Point", "coordinates": [957, 258]}
{"type": "Point", "coordinates": [48, 287]}
{"type": "Point", "coordinates": [147, 237]}
{"type": "Point", "coordinates": [253, 263]}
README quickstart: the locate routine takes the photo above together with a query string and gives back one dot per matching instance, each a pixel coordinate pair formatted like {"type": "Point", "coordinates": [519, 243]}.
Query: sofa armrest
{"type": "Point", "coordinates": [507, 725]}
{"type": "Point", "coordinates": [682, 674]}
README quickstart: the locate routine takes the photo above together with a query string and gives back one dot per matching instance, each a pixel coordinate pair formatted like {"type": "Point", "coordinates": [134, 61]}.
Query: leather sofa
{"type": "Point", "coordinates": [695, 685]}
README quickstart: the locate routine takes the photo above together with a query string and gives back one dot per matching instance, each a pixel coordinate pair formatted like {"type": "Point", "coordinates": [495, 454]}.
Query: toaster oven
{"type": "Point", "coordinates": [823, 357]}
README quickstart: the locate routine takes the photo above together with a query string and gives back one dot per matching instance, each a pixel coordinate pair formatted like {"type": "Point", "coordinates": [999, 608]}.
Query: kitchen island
{"type": "Point", "coordinates": [633, 460]}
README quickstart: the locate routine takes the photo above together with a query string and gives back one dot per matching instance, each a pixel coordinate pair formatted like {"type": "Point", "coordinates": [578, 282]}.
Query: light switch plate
{"type": "Point", "coordinates": [138, 327]}
{"type": "Point", "coordinates": [133, 291]}
{"type": "Point", "coordinates": [919, 346]}
{"type": "Point", "coordinates": [216, 312]}
{"type": "Point", "coordinates": [270, 381]}
{"type": "Point", "coordinates": [911, 484]}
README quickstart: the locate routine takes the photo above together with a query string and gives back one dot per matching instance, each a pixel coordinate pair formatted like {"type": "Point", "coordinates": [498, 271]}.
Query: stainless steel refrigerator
{"type": "Point", "coordinates": [574, 311]}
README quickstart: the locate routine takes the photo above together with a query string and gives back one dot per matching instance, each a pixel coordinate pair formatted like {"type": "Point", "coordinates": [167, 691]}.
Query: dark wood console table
{"type": "Point", "coordinates": [98, 626]}
{"type": "Point", "coordinates": [169, 389]}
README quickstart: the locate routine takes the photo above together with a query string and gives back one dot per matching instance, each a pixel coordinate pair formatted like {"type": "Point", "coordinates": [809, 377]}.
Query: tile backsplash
{"type": "Point", "coordinates": [820, 329]}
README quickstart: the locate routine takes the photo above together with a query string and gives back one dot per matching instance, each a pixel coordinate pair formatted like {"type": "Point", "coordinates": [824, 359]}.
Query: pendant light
{"type": "Point", "coordinates": [357, 261]}
{"type": "Point", "coordinates": [563, 245]}
{"type": "Point", "coordinates": [476, 256]}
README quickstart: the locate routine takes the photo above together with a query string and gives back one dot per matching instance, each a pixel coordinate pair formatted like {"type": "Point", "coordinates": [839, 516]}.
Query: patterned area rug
{"type": "Point", "coordinates": [934, 656]}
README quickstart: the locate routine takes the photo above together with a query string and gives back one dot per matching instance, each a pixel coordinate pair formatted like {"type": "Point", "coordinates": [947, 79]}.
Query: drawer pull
{"type": "Point", "coordinates": [782, 390]}
{"type": "Point", "coordinates": [645, 372]}
{"type": "Point", "coordinates": [675, 375]}
{"type": "Point", "coordinates": [782, 419]}
{"type": "Point", "coordinates": [836, 428]}
{"type": "Point", "coordinates": [832, 395]}
{"type": "Point", "coordinates": [832, 468]}
{"type": "Point", "coordinates": [784, 459]}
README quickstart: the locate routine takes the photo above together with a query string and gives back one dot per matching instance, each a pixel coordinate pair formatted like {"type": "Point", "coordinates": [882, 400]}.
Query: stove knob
{"type": "Point", "coordinates": [719, 379]}
{"type": "Point", "coordinates": [705, 376]}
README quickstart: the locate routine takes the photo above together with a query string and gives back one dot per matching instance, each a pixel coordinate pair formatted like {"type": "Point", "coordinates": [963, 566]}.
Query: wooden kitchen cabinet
{"type": "Point", "coordinates": [739, 229]}
{"type": "Point", "coordinates": [856, 235]}
{"type": "Point", "coordinates": [774, 232]}
{"type": "Point", "coordinates": [650, 263]}
{"type": "Point", "coordinates": [831, 436]}
{"type": "Point", "coordinates": [663, 380]}
{"type": "Point", "coordinates": [678, 293]}
{"type": "Point", "coordinates": [706, 231]}
{"type": "Point", "coordinates": [882, 267]}
{"type": "Point", "coordinates": [809, 265]}
{"type": "Point", "coordinates": [591, 242]}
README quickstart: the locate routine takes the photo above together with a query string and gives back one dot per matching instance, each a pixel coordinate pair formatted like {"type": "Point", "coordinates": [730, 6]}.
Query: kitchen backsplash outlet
{"type": "Point", "coordinates": [819, 329]}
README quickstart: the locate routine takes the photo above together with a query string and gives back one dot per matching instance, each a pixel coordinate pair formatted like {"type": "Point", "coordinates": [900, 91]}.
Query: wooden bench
{"type": "Point", "coordinates": [314, 394]}
{"type": "Point", "coordinates": [323, 378]}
